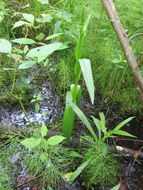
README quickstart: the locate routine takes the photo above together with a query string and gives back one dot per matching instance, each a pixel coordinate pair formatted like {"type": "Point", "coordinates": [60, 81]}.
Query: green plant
{"type": "Point", "coordinates": [75, 93]}
{"type": "Point", "coordinates": [116, 187]}
{"type": "Point", "coordinates": [36, 99]}
{"type": "Point", "coordinates": [47, 157]}
{"type": "Point", "coordinates": [99, 164]}
{"type": "Point", "coordinates": [5, 173]}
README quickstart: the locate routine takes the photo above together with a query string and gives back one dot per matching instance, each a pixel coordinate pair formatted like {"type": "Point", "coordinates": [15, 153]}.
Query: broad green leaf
{"type": "Point", "coordinates": [40, 36]}
{"type": "Point", "coordinates": [63, 46]}
{"type": "Point", "coordinates": [116, 187]}
{"type": "Point", "coordinates": [78, 171]}
{"type": "Point", "coordinates": [76, 94]}
{"type": "Point", "coordinates": [19, 23]}
{"type": "Point", "coordinates": [25, 41]}
{"type": "Point", "coordinates": [16, 56]}
{"type": "Point", "coordinates": [123, 123]}
{"type": "Point", "coordinates": [45, 18]}
{"type": "Point", "coordinates": [64, 15]}
{"type": "Point", "coordinates": [44, 2]}
{"type": "Point", "coordinates": [87, 74]}
{"type": "Point", "coordinates": [26, 65]}
{"type": "Point", "coordinates": [84, 119]}
{"type": "Point", "coordinates": [5, 46]}
{"type": "Point", "coordinates": [44, 130]}
{"type": "Point", "coordinates": [31, 142]}
{"type": "Point", "coordinates": [53, 36]}
{"type": "Point", "coordinates": [28, 17]}
{"type": "Point", "coordinates": [69, 116]}
{"type": "Point", "coordinates": [55, 140]}
{"type": "Point", "coordinates": [43, 52]}
{"type": "Point", "coordinates": [57, 27]}
{"type": "Point", "coordinates": [25, 50]}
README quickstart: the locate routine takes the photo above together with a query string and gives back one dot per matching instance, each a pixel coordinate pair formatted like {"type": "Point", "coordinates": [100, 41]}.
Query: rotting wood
{"type": "Point", "coordinates": [125, 45]}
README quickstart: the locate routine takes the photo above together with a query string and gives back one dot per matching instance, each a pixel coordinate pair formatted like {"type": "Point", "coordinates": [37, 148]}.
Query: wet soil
{"type": "Point", "coordinates": [51, 109]}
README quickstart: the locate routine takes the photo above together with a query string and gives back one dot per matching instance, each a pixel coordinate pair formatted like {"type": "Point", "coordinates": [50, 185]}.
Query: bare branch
{"type": "Point", "coordinates": [124, 41]}
{"type": "Point", "coordinates": [132, 37]}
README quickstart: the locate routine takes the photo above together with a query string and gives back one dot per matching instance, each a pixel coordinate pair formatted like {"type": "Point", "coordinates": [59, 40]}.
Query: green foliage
{"type": "Point", "coordinates": [5, 173]}
{"type": "Point", "coordinates": [64, 75]}
{"type": "Point", "coordinates": [101, 169]}
{"type": "Point", "coordinates": [88, 77]}
{"type": "Point", "coordinates": [47, 157]}
{"type": "Point", "coordinates": [99, 166]}
{"type": "Point", "coordinates": [75, 95]}
{"type": "Point", "coordinates": [39, 156]}
{"type": "Point", "coordinates": [113, 81]}
{"type": "Point", "coordinates": [116, 187]}
{"type": "Point", "coordinates": [79, 45]}
{"type": "Point", "coordinates": [5, 46]}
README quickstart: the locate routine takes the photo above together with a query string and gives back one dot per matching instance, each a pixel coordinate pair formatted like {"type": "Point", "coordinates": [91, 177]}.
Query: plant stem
{"type": "Point", "coordinates": [19, 100]}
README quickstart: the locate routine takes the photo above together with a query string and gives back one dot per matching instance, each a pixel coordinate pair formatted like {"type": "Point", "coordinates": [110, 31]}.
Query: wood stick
{"type": "Point", "coordinates": [124, 42]}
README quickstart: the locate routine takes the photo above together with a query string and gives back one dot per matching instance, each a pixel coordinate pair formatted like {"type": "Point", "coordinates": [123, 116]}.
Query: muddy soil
{"type": "Point", "coordinates": [51, 109]}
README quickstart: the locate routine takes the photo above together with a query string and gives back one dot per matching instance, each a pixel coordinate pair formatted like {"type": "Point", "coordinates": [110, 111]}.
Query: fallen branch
{"type": "Point", "coordinates": [132, 37]}
{"type": "Point", "coordinates": [124, 41]}
{"type": "Point", "coordinates": [126, 151]}
{"type": "Point", "coordinates": [28, 181]}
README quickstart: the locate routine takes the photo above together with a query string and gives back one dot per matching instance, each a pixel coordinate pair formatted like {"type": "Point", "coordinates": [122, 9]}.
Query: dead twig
{"type": "Point", "coordinates": [132, 37]}
{"type": "Point", "coordinates": [126, 151]}
{"type": "Point", "coordinates": [28, 181]}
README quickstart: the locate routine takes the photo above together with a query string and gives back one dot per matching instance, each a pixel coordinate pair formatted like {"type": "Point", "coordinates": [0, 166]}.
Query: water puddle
{"type": "Point", "coordinates": [51, 108]}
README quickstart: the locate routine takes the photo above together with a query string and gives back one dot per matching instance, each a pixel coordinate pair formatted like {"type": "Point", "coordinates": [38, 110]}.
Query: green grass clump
{"type": "Point", "coordinates": [52, 169]}
{"type": "Point", "coordinates": [113, 80]}
{"type": "Point", "coordinates": [102, 169]}
{"type": "Point", "coordinates": [49, 165]}
{"type": "Point", "coordinates": [5, 173]}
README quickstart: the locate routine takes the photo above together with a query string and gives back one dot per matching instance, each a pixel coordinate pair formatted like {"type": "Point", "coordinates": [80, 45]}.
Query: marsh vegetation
{"type": "Point", "coordinates": [68, 98]}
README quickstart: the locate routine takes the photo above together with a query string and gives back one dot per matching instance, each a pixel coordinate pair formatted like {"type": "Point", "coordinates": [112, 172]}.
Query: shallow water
{"type": "Point", "coordinates": [50, 109]}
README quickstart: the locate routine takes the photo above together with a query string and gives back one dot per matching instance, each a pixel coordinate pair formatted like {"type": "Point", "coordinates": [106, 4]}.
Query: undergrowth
{"type": "Point", "coordinates": [101, 170]}
{"type": "Point", "coordinates": [112, 76]}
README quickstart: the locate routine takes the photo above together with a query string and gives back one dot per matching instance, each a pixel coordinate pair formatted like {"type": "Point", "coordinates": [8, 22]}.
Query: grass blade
{"type": "Point", "coordinates": [124, 133]}
{"type": "Point", "coordinates": [77, 172]}
{"type": "Point", "coordinates": [84, 119]}
{"type": "Point", "coordinates": [87, 74]}
{"type": "Point", "coordinates": [123, 123]}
